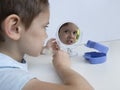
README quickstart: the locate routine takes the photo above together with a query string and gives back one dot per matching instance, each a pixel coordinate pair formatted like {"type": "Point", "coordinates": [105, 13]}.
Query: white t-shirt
{"type": "Point", "coordinates": [13, 75]}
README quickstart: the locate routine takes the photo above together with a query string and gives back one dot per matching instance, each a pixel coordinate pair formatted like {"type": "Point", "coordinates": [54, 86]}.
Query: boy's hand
{"type": "Point", "coordinates": [61, 59]}
{"type": "Point", "coordinates": [52, 45]}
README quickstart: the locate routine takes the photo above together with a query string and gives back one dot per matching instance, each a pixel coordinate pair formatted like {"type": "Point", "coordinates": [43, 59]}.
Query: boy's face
{"type": "Point", "coordinates": [68, 34]}
{"type": "Point", "coordinates": [32, 39]}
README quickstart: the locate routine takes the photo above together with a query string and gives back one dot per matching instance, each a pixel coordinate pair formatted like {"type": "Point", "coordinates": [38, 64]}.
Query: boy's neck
{"type": "Point", "coordinates": [11, 51]}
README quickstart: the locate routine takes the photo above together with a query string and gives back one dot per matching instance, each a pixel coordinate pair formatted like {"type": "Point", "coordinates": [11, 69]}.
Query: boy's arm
{"type": "Point", "coordinates": [71, 79]}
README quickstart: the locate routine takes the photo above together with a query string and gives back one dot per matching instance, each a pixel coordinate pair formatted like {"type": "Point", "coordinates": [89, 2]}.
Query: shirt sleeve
{"type": "Point", "coordinates": [14, 79]}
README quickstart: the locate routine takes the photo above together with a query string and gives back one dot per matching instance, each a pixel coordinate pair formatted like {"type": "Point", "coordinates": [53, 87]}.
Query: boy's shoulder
{"type": "Point", "coordinates": [8, 62]}
{"type": "Point", "coordinates": [14, 75]}
{"type": "Point", "coordinates": [14, 78]}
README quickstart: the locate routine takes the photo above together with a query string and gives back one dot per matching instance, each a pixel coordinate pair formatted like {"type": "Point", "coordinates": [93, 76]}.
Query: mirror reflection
{"type": "Point", "coordinates": [69, 33]}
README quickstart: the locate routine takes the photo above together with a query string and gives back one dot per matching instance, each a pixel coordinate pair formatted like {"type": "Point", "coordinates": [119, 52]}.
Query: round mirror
{"type": "Point", "coordinates": [69, 37]}
{"type": "Point", "coordinates": [68, 33]}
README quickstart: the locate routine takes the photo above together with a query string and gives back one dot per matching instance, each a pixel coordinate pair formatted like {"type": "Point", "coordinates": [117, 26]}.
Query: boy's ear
{"type": "Point", "coordinates": [12, 27]}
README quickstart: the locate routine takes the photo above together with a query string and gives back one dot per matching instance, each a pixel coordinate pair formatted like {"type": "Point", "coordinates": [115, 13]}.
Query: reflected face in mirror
{"type": "Point", "coordinates": [68, 33]}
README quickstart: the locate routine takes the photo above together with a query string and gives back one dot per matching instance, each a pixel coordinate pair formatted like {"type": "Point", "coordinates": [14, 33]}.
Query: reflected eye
{"type": "Point", "coordinates": [75, 32]}
{"type": "Point", "coordinates": [66, 31]}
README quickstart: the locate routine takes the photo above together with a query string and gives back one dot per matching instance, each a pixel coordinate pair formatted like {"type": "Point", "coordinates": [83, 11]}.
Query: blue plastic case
{"type": "Point", "coordinates": [96, 57]}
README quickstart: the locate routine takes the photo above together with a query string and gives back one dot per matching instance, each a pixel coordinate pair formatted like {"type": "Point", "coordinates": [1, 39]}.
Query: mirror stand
{"type": "Point", "coordinates": [72, 52]}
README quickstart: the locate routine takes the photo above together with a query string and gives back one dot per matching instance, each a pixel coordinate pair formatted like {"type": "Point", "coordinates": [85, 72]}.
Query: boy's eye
{"type": "Point", "coordinates": [46, 26]}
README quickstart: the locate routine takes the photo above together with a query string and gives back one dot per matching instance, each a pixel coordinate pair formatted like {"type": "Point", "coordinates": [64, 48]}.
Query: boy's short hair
{"type": "Point", "coordinates": [66, 24]}
{"type": "Point", "coordinates": [27, 10]}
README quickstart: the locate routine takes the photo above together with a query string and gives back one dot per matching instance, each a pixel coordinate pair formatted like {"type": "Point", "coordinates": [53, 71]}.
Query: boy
{"type": "Point", "coordinates": [22, 31]}
{"type": "Point", "coordinates": [68, 33]}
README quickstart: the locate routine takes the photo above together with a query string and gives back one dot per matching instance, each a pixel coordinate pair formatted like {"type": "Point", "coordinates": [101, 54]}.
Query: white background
{"type": "Point", "coordinates": [99, 20]}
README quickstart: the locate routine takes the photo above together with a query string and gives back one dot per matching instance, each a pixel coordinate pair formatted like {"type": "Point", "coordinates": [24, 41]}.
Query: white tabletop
{"type": "Point", "coordinates": [105, 76]}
